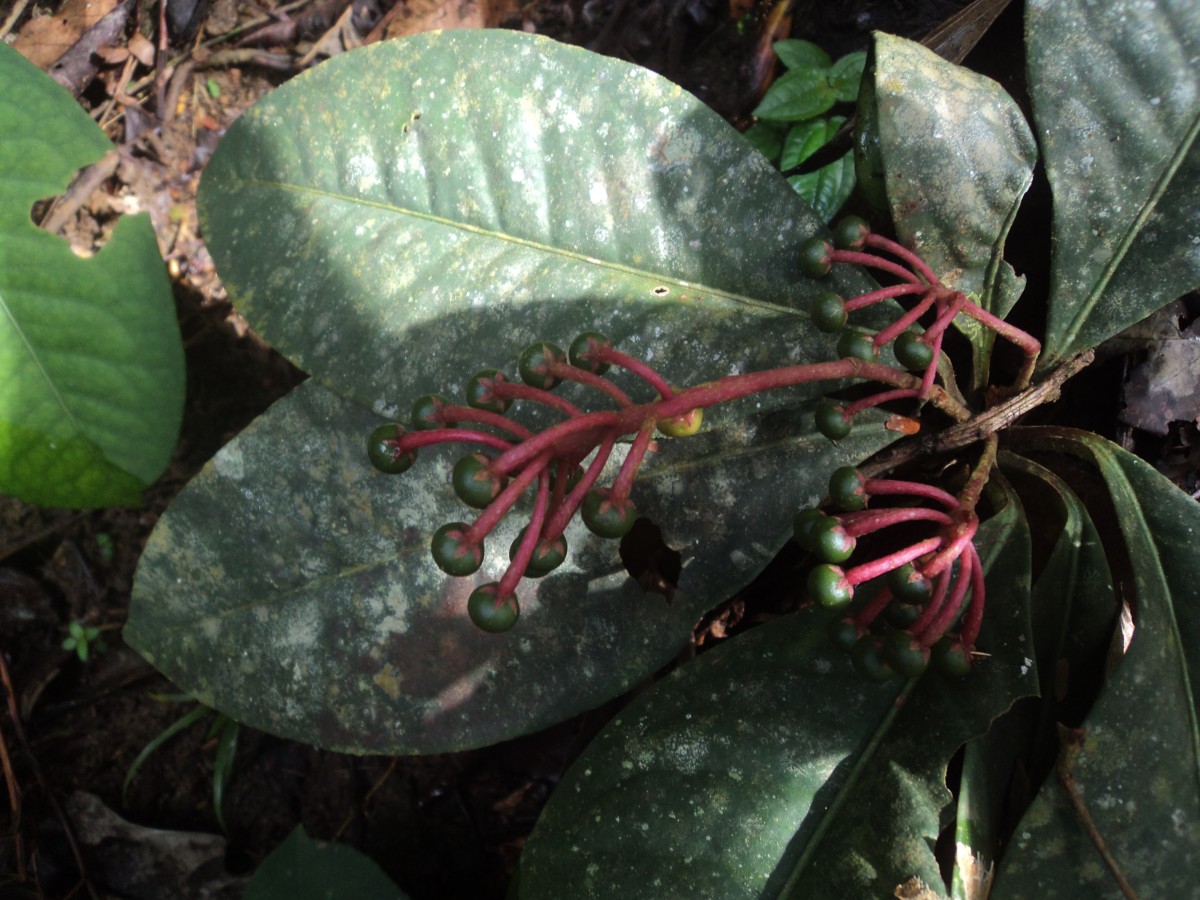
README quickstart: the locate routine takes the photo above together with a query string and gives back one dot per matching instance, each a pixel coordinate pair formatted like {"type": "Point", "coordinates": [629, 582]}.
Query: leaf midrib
{"type": "Point", "coordinates": [506, 237]}
{"type": "Point", "coordinates": [1127, 238]}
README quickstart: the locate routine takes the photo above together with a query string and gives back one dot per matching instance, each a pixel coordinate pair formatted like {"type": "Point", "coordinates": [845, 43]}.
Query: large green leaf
{"type": "Point", "coordinates": [91, 367]}
{"type": "Point", "coordinates": [958, 157]}
{"type": "Point", "coordinates": [404, 214]}
{"type": "Point", "coordinates": [1116, 96]}
{"type": "Point", "coordinates": [290, 585]}
{"type": "Point", "coordinates": [769, 768]}
{"type": "Point", "coordinates": [1137, 769]}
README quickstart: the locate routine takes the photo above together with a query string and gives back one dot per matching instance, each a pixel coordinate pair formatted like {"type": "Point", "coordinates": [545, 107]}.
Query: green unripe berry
{"type": "Point", "coordinates": [868, 659]}
{"type": "Point", "coordinates": [480, 394]}
{"type": "Point", "coordinates": [606, 517]}
{"type": "Point", "coordinates": [850, 233]}
{"type": "Point", "coordinates": [828, 312]}
{"type": "Point", "coordinates": [952, 658]}
{"type": "Point", "coordinates": [857, 345]}
{"type": "Point", "coordinates": [901, 614]}
{"type": "Point", "coordinates": [910, 585]}
{"type": "Point", "coordinates": [427, 412]}
{"type": "Point", "coordinates": [843, 633]}
{"type": "Point", "coordinates": [683, 425]}
{"type": "Point", "coordinates": [907, 657]}
{"type": "Point", "coordinates": [582, 346]}
{"type": "Point", "coordinates": [833, 544]}
{"type": "Point", "coordinates": [912, 352]}
{"type": "Point", "coordinates": [383, 452]}
{"type": "Point", "coordinates": [847, 489]}
{"type": "Point", "coordinates": [831, 420]}
{"type": "Point", "coordinates": [828, 586]}
{"type": "Point", "coordinates": [452, 553]}
{"type": "Point", "coordinates": [534, 364]}
{"type": "Point", "coordinates": [816, 257]}
{"type": "Point", "coordinates": [804, 528]}
{"type": "Point", "coordinates": [547, 555]}
{"type": "Point", "coordinates": [491, 613]}
{"type": "Point", "coordinates": [474, 482]}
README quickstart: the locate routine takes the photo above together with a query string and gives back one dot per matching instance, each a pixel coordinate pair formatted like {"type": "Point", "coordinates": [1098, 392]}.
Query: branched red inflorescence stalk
{"type": "Point", "coordinates": [945, 564]}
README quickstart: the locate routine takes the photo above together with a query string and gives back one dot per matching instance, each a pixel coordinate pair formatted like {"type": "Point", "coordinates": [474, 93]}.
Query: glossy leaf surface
{"type": "Point", "coordinates": [402, 215]}
{"type": "Point", "coordinates": [1116, 98]}
{"type": "Point", "coordinates": [828, 187]}
{"type": "Point", "coordinates": [958, 157]}
{"type": "Point", "coordinates": [768, 767]}
{"type": "Point", "coordinates": [1137, 766]}
{"type": "Point", "coordinates": [91, 368]}
{"type": "Point", "coordinates": [291, 587]}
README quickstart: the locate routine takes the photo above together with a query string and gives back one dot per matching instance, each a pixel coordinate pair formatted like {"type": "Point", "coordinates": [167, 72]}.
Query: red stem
{"type": "Point", "coordinates": [893, 331]}
{"type": "Point", "coordinates": [507, 390]}
{"type": "Point", "coordinates": [535, 446]}
{"type": "Point", "coordinates": [889, 246]}
{"type": "Point", "coordinates": [868, 521]}
{"type": "Point", "coordinates": [623, 483]}
{"type": "Point", "coordinates": [562, 516]}
{"type": "Point", "coordinates": [568, 372]}
{"type": "Point", "coordinates": [871, 611]}
{"type": "Point", "coordinates": [504, 501]}
{"type": "Point", "coordinates": [533, 532]}
{"type": "Point", "coordinates": [871, 261]}
{"type": "Point", "coordinates": [954, 549]}
{"type": "Point", "coordinates": [606, 353]}
{"type": "Point", "coordinates": [932, 632]}
{"type": "Point", "coordinates": [885, 564]}
{"type": "Point", "coordinates": [890, 487]}
{"type": "Point", "coordinates": [455, 414]}
{"type": "Point", "coordinates": [876, 399]}
{"type": "Point", "coordinates": [940, 590]}
{"type": "Point", "coordinates": [413, 440]}
{"type": "Point", "coordinates": [895, 290]}
{"type": "Point", "coordinates": [973, 620]}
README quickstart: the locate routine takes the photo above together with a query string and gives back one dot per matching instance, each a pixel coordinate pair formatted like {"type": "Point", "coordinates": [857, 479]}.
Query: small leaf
{"type": "Point", "coordinates": [846, 75]}
{"type": "Point", "coordinates": [830, 186]}
{"type": "Point", "coordinates": [799, 54]}
{"type": "Point", "coordinates": [958, 157]}
{"type": "Point", "coordinates": [797, 95]}
{"type": "Point", "coordinates": [1137, 769]}
{"type": "Point", "coordinates": [1116, 95]}
{"type": "Point", "coordinates": [316, 870]}
{"type": "Point", "coordinates": [766, 139]}
{"type": "Point", "coordinates": [91, 366]}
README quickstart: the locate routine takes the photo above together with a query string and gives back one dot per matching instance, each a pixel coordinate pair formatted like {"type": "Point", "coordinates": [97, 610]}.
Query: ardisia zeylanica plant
{"type": "Point", "coordinates": [927, 587]}
{"type": "Point", "coordinates": [410, 212]}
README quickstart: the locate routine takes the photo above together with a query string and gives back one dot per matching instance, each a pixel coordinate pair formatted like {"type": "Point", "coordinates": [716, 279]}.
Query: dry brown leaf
{"type": "Point", "coordinates": [44, 39]}
{"type": "Point", "coordinates": [417, 16]}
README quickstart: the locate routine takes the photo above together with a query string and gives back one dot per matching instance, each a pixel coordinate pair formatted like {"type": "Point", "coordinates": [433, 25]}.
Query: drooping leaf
{"type": "Point", "coordinates": [768, 767]}
{"type": "Point", "coordinates": [405, 214]}
{"type": "Point", "coordinates": [1116, 97]}
{"type": "Point", "coordinates": [957, 157]}
{"type": "Point", "coordinates": [1136, 769]}
{"type": "Point", "coordinates": [846, 74]}
{"type": "Point", "coordinates": [303, 869]}
{"type": "Point", "coordinates": [290, 585]}
{"type": "Point", "coordinates": [91, 366]}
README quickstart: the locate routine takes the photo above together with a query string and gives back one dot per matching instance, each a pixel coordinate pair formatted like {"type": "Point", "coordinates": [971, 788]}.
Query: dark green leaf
{"type": "Point", "coordinates": [405, 214]}
{"type": "Point", "coordinates": [1137, 769]}
{"type": "Point", "coordinates": [290, 585]}
{"type": "Point", "coordinates": [958, 158]}
{"type": "Point", "coordinates": [769, 768]}
{"type": "Point", "coordinates": [91, 367]}
{"type": "Point", "coordinates": [1116, 95]}
{"type": "Point", "coordinates": [798, 54]}
{"type": "Point", "coordinates": [797, 95]}
{"type": "Point", "coordinates": [828, 187]}
{"type": "Point", "coordinates": [846, 75]}
{"type": "Point", "coordinates": [766, 139]}
{"type": "Point", "coordinates": [303, 869]}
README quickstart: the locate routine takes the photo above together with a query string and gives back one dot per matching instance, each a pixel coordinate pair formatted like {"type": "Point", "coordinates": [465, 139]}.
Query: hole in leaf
{"type": "Point", "coordinates": [649, 560]}
{"type": "Point", "coordinates": [84, 214]}
{"type": "Point", "coordinates": [661, 291]}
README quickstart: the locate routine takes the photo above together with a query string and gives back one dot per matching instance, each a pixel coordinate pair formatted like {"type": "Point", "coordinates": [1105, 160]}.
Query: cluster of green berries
{"type": "Point", "coordinates": [510, 460]}
{"type": "Point", "coordinates": [918, 351]}
{"type": "Point", "coordinates": [549, 462]}
{"type": "Point", "coordinates": [920, 592]}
